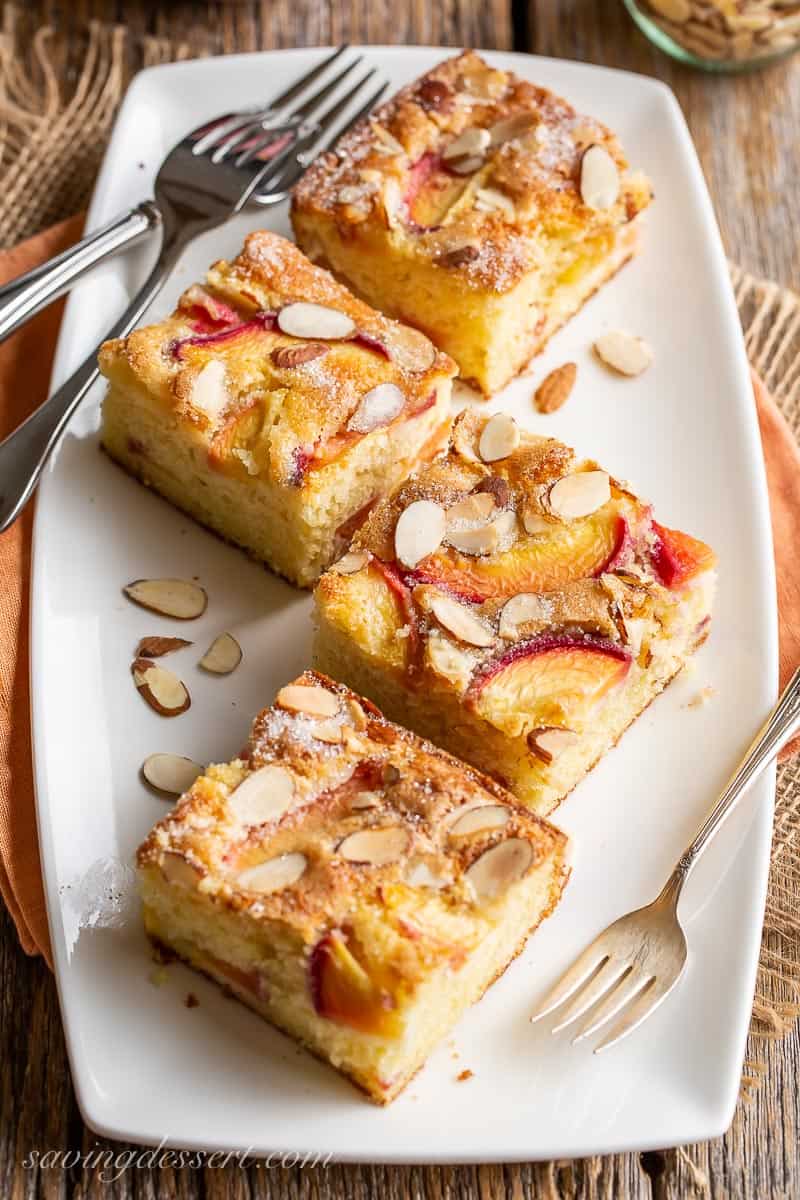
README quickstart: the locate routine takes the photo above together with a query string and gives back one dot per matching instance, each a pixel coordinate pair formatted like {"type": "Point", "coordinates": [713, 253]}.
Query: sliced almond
{"type": "Point", "coordinates": [263, 796]}
{"type": "Point", "coordinates": [527, 606]}
{"type": "Point", "coordinates": [479, 819]}
{"type": "Point", "coordinates": [506, 524]}
{"type": "Point", "coordinates": [176, 869]}
{"type": "Point", "coordinates": [209, 393]}
{"type": "Point", "coordinates": [579, 495]}
{"type": "Point", "coordinates": [534, 522]}
{"type": "Point", "coordinates": [548, 744]}
{"type": "Point", "coordinates": [387, 142]}
{"type": "Point", "coordinates": [476, 507]}
{"type": "Point", "coordinates": [483, 540]}
{"type": "Point", "coordinates": [177, 598]}
{"type": "Point", "coordinates": [623, 352]}
{"type": "Point", "coordinates": [304, 319]}
{"type": "Point", "coordinates": [466, 166]}
{"type": "Point", "coordinates": [379, 847]}
{"type": "Point", "coordinates": [376, 408]}
{"type": "Point", "coordinates": [449, 661]}
{"type": "Point", "coordinates": [247, 460]}
{"type": "Point", "coordinates": [500, 866]}
{"type": "Point", "coordinates": [364, 800]}
{"type": "Point", "coordinates": [162, 690]}
{"type": "Point", "coordinates": [499, 437]}
{"type": "Point", "coordinates": [357, 715]}
{"type": "Point", "coordinates": [351, 562]}
{"type": "Point", "coordinates": [274, 874]}
{"type": "Point", "coordinates": [157, 647]}
{"type": "Point", "coordinates": [171, 773]}
{"type": "Point", "coordinates": [353, 194]}
{"type": "Point", "coordinates": [392, 199]}
{"type": "Point", "coordinates": [419, 531]}
{"type": "Point", "coordinates": [496, 486]}
{"type": "Point", "coordinates": [419, 874]}
{"type": "Point", "coordinates": [554, 390]}
{"type": "Point", "coordinates": [222, 656]}
{"type": "Point", "coordinates": [599, 178]}
{"type": "Point", "coordinates": [288, 357]}
{"type": "Point", "coordinates": [472, 143]}
{"type": "Point", "coordinates": [491, 200]}
{"type": "Point", "coordinates": [409, 348]}
{"type": "Point", "coordinates": [308, 698]}
{"type": "Point", "coordinates": [512, 127]}
{"type": "Point", "coordinates": [328, 731]}
{"type": "Point", "coordinates": [461, 622]}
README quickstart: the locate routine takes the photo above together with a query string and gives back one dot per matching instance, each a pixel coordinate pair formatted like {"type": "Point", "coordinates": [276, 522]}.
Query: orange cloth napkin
{"type": "Point", "coordinates": [25, 361]}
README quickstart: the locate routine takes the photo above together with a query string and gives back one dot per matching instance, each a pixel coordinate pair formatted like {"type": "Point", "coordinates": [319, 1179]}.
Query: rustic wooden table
{"type": "Point", "coordinates": [745, 129]}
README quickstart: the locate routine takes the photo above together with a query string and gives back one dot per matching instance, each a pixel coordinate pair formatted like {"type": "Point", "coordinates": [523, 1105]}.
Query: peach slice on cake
{"type": "Point", "coordinates": [516, 605]}
{"type": "Point", "coordinates": [343, 990]}
{"type": "Point", "coordinates": [549, 681]}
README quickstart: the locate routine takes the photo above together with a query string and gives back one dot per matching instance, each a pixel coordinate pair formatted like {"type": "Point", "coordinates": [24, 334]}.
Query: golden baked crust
{"type": "Point", "coordinates": [275, 407]}
{"type": "Point", "coordinates": [269, 418]}
{"type": "Point", "coordinates": [355, 885]}
{"type": "Point", "coordinates": [440, 240]}
{"type": "Point", "coordinates": [538, 612]}
{"type": "Point", "coordinates": [412, 785]}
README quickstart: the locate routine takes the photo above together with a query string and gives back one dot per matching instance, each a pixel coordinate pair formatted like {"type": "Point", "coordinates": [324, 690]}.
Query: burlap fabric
{"type": "Point", "coordinates": [52, 137]}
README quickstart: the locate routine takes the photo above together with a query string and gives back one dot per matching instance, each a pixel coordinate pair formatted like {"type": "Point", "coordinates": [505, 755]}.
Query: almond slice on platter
{"type": "Point", "coordinates": [624, 353]}
{"type": "Point", "coordinates": [554, 390]}
{"type": "Point", "coordinates": [222, 656]}
{"type": "Point", "coordinates": [157, 647]}
{"type": "Point", "coordinates": [172, 773]}
{"type": "Point", "coordinates": [305, 319]}
{"type": "Point", "coordinates": [160, 688]}
{"type": "Point", "coordinates": [179, 598]}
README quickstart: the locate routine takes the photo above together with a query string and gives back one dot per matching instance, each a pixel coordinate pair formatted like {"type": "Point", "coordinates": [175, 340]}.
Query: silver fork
{"type": "Point", "coordinates": [633, 965]}
{"type": "Point", "coordinates": [202, 182]}
{"type": "Point", "coordinates": [23, 297]}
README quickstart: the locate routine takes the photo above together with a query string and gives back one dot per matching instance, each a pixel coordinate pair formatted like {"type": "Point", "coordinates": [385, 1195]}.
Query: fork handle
{"type": "Point", "coordinates": [780, 727]}
{"type": "Point", "coordinates": [23, 297]}
{"type": "Point", "coordinates": [25, 452]}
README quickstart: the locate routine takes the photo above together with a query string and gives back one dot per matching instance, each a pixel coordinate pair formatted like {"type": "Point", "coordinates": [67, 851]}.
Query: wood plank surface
{"type": "Point", "coordinates": [746, 130]}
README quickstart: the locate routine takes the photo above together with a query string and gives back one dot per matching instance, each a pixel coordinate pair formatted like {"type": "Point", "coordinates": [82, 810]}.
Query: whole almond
{"type": "Point", "coordinates": [553, 392]}
{"type": "Point", "coordinates": [285, 357]}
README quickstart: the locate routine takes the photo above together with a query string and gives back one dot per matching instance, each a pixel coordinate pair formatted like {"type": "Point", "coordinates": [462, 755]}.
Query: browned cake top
{"type": "Point", "coordinates": [340, 817]}
{"type": "Point", "coordinates": [478, 171]}
{"type": "Point", "coordinates": [523, 580]}
{"type": "Point", "coordinates": [276, 366]}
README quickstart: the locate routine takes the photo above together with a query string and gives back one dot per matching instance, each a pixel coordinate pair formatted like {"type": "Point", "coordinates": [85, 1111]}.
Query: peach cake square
{"type": "Point", "coordinates": [514, 605]}
{"type": "Point", "coordinates": [478, 207]}
{"type": "Point", "coordinates": [353, 884]}
{"type": "Point", "coordinates": [274, 407]}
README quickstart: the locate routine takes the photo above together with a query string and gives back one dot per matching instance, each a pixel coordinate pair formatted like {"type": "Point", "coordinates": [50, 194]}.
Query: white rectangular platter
{"type": "Point", "coordinates": [146, 1068]}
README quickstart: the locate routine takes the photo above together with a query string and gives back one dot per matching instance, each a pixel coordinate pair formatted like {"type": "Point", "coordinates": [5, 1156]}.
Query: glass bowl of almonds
{"type": "Point", "coordinates": [720, 35]}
